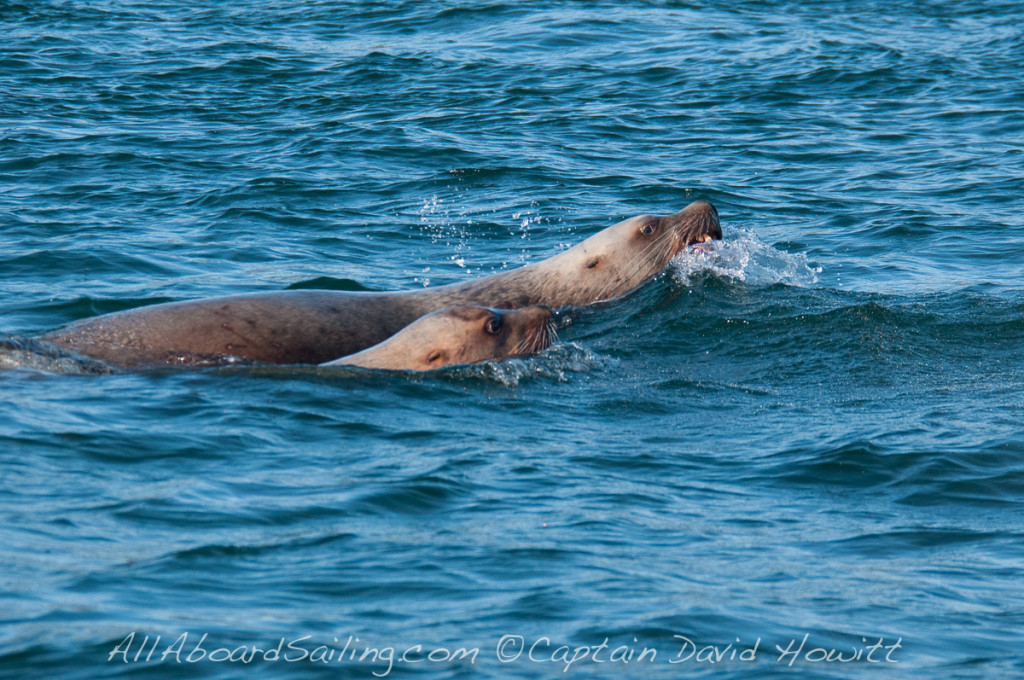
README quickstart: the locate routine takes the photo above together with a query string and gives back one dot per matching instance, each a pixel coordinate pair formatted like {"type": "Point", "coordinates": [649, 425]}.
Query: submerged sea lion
{"type": "Point", "coordinates": [311, 327]}
{"type": "Point", "coordinates": [459, 335]}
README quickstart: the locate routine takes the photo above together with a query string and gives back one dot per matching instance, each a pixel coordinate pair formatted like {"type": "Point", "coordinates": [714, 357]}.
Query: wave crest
{"type": "Point", "coordinates": [742, 256]}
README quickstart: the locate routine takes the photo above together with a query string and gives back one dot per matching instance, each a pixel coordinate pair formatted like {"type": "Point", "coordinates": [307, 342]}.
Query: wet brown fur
{"type": "Point", "coordinates": [459, 335]}
{"type": "Point", "coordinates": [292, 327]}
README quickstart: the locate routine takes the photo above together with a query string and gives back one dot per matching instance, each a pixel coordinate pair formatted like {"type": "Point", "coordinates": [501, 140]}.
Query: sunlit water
{"type": "Point", "coordinates": [809, 434]}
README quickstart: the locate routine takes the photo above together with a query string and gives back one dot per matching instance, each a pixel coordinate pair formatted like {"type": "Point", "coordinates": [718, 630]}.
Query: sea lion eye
{"type": "Point", "coordinates": [649, 228]}
{"type": "Point", "coordinates": [593, 263]}
{"type": "Point", "coordinates": [494, 325]}
{"type": "Point", "coordinates": [434, 356]}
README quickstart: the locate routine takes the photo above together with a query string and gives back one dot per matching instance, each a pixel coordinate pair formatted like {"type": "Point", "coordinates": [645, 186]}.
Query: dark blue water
{"type": "Point", "coordinates": [803, 447]}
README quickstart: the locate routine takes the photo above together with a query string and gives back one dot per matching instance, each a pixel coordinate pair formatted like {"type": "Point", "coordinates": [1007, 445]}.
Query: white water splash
{"type": "Point", "coordinates": [527, 220]}
{"type": "Point", "coordinates": [742, 256]}
{"type": "Point", "coordinates": [436, 220]}
{"type": "Point", "coordinates": [560, 362]}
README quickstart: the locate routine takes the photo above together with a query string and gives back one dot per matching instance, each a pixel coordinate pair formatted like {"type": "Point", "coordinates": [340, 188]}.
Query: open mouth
{"type": "Point", "coordinates": [702, 226]}
{"type": "Point", "coordinates": [703, 244]}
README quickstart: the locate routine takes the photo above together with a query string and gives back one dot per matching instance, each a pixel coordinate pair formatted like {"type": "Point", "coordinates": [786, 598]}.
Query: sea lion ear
{"type": "Point", "coordinates": [435, 356]}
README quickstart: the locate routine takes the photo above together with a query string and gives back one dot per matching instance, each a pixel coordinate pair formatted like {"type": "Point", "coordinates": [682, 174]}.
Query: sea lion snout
{"type": "Point", "coordinates": [538, 316]}
{"type": "Point", "coordinates": [301, 326]}
{"type": "Point", "coordinates": [536, 330]}
{"type": "Point", "coordinates": [543, 311]}
{"type": "Point", "coordinates": [696, 223]}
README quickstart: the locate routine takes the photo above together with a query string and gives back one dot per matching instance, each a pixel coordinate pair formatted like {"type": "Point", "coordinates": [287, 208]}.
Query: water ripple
{"type": "Point", "coordinates": [811, 428]}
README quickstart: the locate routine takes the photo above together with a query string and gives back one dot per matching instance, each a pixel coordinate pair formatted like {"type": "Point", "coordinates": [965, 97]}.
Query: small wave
{"type": "Point", "coordinates": [745, 257]}
{"type": "Point", "coordinates": [559, 362]}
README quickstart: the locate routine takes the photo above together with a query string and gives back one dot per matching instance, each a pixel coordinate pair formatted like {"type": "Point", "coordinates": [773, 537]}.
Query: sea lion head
{"type": "Point", "coordinates": [460, 335]}
{"type": "Point", "coordinates": [620, 258]}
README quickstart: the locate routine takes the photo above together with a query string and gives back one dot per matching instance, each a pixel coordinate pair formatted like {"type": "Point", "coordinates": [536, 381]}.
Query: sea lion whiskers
{"type": "Point", "coordinates": [550, 335]}
{"type": "Point", "coordinates": [533, 343]}
{"type": "Point", "coordinates": [314, 326]}
{"type": "Point", "coordinates": [461, 334]}
{"type": "Point", "coordinates": [662, 249]}
{"type": "Point", "coordinates": [612, 284]}
{"type": "Point", "coordinates": [669, 248]}
{"type": "Point", "coordinates": [637, 263]}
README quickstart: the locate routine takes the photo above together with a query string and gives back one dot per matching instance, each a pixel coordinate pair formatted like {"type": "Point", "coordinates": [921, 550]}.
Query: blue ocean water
{"type": "Point", "coordinates": [800, 454]}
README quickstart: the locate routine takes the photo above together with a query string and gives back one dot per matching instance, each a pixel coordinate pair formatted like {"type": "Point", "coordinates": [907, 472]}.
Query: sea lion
{"type": "Point", "coordinates": [311, 327]}
{"type": "Point", "coordinates": [459, 335]}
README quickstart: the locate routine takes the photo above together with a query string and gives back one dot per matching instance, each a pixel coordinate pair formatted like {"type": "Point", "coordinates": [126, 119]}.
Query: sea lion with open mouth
{"type": "Point", "coordinates": [312, 327]}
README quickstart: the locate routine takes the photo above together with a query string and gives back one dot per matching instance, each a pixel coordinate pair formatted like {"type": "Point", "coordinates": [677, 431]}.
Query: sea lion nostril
{"type": "Point", "coordinates": [300, 326]}
{"type": "Point", "coordinates": [453, 336]}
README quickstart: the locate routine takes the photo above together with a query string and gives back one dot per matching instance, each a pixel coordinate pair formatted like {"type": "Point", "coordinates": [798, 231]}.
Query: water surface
{"type": "Point", "coordinates": [813, 431]}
